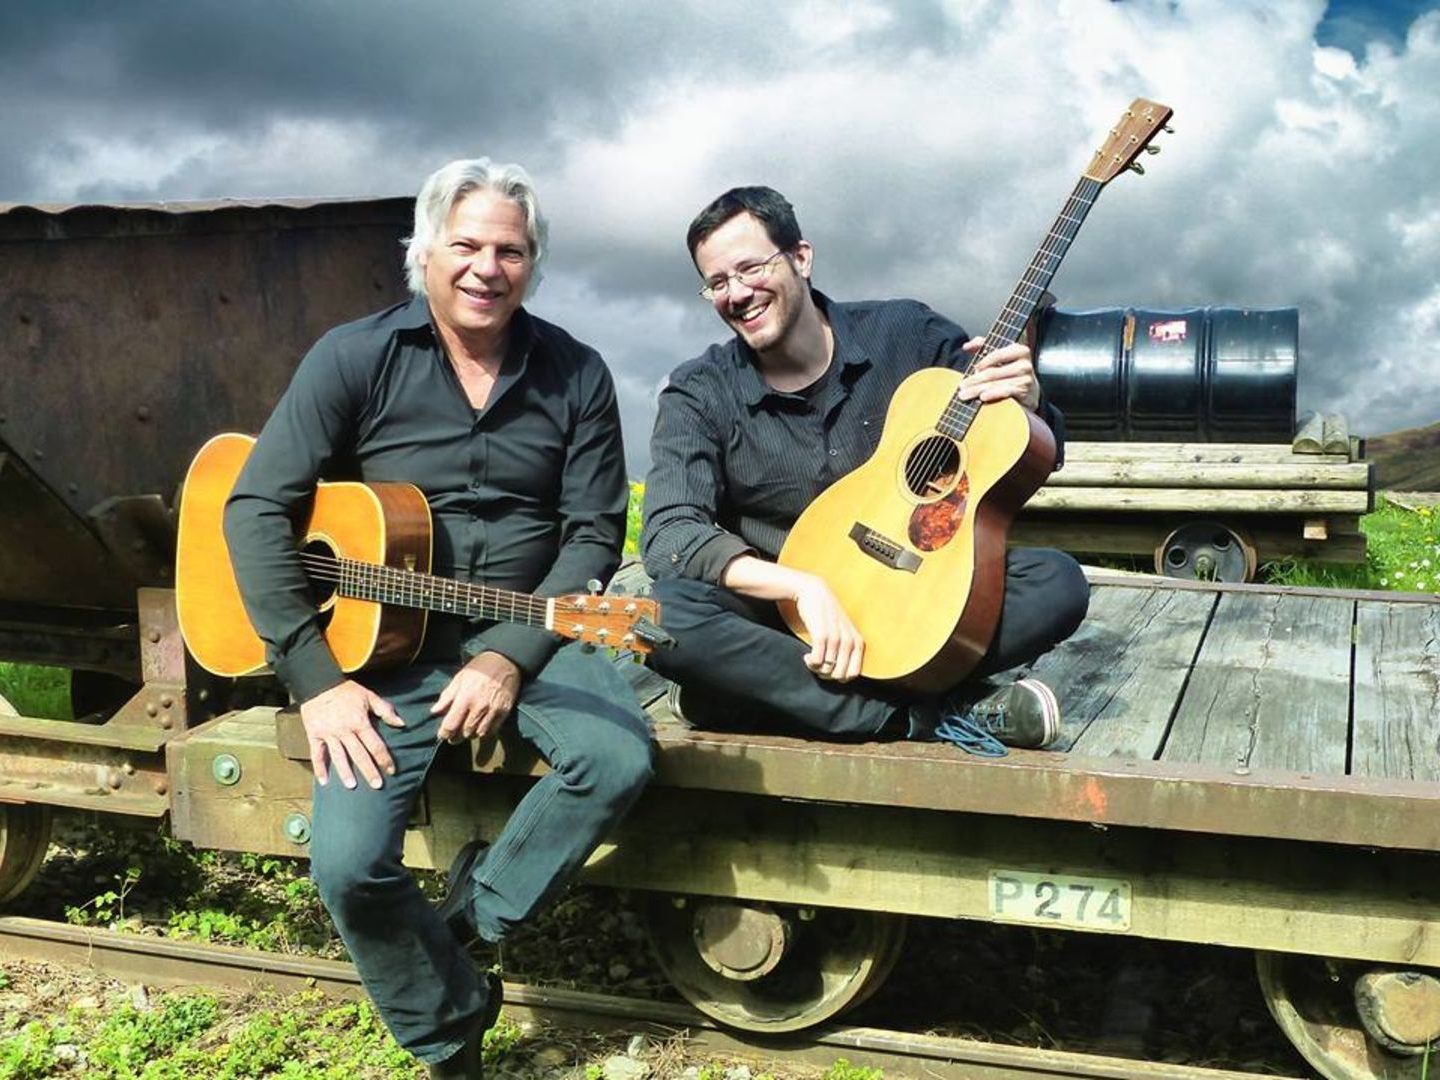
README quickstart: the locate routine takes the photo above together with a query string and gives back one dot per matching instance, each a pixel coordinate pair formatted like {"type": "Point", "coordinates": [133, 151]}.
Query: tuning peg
{"type": "Point", "coordinates": [593, 586]}
{"type": "Point", "coordinates": [1167, 129]}
{"type": "Point", "coordinates": [1152, 149]}
{"type": "Point", "coordinates": [1135, 166]}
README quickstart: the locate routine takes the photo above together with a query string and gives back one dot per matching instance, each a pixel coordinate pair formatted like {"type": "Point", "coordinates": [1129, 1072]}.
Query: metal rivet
{"type": "Point", "coordinates": [166, 701]}
{"type": "Point", "coordinates": [153, 636]}
{"type": "Point", "coordinates": [142, 413]}
{"type": "Point", "coordinates": [296, 828]}
{"type": "Point", "coordinates": [114, 779]}
{"type": "Point", "coordinates": [151, 709]}
{"type": "Point", "coordinates": [226, 769]}
{"type": "Point", "coordinates": [167, 722]}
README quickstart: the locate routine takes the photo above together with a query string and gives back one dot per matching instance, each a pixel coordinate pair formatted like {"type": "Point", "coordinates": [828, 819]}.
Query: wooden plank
{"type": "Point", "coordinates": [1119, 676]}
{"type": "Point", "coordinates": [1309, 434]}
{"type": "Point", "coordinates": [1397, 691]}
{"type": "Point", "coordinates": [1196, 453]}
{"type": "Point", "coordinates": [1270, 688]}
{"type": "Point", "coordinates": [1120, 535]}
{"type": "Point", "coordinates": [1199, 500]}
{"type": "Point", "coordinates": [1250, 474]}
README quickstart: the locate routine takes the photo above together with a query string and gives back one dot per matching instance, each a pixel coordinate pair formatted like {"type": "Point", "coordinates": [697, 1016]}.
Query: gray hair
{"type": "Point", "coordinates": [449, 184]}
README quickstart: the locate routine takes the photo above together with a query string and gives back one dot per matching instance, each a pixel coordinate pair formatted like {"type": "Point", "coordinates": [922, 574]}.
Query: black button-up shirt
{"type": "Point", "coordinates": [734, 461]}
{"type": "Point", "coordinates": [528, 493]}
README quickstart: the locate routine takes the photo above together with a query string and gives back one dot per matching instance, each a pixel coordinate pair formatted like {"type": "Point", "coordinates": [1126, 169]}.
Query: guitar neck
{"type": "Point", "coordinates": [406, 588]}
{"type": "Point", "coordinates": [1010, 323]}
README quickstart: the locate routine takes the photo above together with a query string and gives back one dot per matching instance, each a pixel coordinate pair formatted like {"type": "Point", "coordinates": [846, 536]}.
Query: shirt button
{"type": "Point", "coordinates": [674, 558]}
{"type": "Point", "coordinates": [833, 452]}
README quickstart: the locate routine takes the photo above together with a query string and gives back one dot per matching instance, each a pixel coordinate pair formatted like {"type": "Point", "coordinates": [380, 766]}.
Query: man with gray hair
{"type": "Point", "coordinates": [510, 428]}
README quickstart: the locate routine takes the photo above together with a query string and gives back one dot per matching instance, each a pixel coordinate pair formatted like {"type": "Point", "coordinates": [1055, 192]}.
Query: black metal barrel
{"type": "Point", "coordinates": [1208, 374]}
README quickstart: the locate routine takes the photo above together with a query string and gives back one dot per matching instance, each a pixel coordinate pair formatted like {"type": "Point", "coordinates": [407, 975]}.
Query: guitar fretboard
{"type": "Point", "coordinates": [407, 588]}
{"type": "Point", "coordinates": [955, 421]}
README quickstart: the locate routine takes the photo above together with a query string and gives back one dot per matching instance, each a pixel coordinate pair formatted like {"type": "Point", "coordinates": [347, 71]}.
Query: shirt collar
{"type": "Point", "coordinates": [416, 316]}
{"type": "Point", "coordinates": [850, 356]}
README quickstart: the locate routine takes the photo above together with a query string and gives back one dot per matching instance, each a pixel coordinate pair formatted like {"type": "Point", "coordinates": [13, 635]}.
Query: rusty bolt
{"type": "Point", "coordinates": [166, 701]}
{"type": "Point", "coordinates": [153, 637]}
{"type": "Point", "coordinates": [142, 413]}
{"type": "Point", "coordinates": [151, 709]}
{"type": "Point", "coordinates": [167, 722]}
{"type": "Point", "coordinates": [161, 787]}
{"type": "Point", "coordinates": [296, 828]}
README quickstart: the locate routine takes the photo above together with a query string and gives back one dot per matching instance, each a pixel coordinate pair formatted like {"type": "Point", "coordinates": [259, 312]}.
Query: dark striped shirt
{"type": "Point", "coordinates": [734, 462]}
{"type": "Point", "coordinates": [527, 493]}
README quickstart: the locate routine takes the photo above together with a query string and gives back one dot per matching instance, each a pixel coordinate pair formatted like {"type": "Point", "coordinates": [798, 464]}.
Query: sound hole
{"type": "Point", "coordinates": [318, 558]}
{"type": "Point", "coordinates": [931, 468]}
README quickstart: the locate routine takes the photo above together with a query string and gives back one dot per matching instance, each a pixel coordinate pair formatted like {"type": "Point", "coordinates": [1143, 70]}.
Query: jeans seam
{"type": "Point", "coordinates": [523, 827]}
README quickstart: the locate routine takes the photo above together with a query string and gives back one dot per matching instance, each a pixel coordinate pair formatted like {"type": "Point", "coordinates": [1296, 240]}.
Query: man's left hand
{"type": "Point", "coordinates": [1003, 373]}
{"type": "Point", "coordinates": [478, 699]}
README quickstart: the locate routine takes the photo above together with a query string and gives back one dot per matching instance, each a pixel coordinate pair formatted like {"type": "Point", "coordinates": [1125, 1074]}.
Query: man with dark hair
{"type": "Point", "coordinates": [509, 426]}
{"type": "Point", "coordinates": [749, 433]}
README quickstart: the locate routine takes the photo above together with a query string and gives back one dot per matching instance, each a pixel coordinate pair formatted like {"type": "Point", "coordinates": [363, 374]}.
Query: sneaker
{"type": "Point", "coordinates": [1023, 714]}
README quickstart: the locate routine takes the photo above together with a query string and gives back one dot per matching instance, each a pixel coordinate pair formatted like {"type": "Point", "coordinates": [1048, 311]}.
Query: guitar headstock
{"type": "Point", "coordinates": [621, 622]}
{"type": "Point", "coordinates": [1140, 123]}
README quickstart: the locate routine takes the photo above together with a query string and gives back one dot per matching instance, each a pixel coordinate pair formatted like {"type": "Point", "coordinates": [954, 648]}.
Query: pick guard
{"type": "Point", "coordinates": [934, 524]}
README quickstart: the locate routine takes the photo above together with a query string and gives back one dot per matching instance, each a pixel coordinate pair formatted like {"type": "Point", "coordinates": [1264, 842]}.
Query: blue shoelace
{"type": "Point", "coordinates": [971, 736]}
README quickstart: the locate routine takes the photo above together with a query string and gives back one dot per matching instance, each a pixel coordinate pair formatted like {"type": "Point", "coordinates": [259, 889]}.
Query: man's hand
{"type": "Point", "coordinates": [1006, 372]}
{"type": "Point", "coordinates": [479, 698]}
{"type": "Point", "coordinates": [836, 647]}
{"type": "Point", "coordinates": [339, 727]}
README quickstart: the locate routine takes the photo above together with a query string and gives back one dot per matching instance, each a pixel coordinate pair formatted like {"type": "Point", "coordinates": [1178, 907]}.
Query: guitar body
{"type": "Point", "coordinates": [921, 573]}
{"type": "Point", "coordinates": [387, 524]}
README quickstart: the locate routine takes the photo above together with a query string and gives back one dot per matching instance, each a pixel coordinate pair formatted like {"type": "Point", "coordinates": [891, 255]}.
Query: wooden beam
{"type": "Point", "coordinates": [1196, 453]}
{"type": "Point", "coordinates": [1186, 474]}
{"type": "Point", "coordinates": [1200, 500]}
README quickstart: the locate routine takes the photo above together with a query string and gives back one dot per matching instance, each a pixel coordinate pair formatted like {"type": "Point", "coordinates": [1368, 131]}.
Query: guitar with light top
{"type": "Point", "coordinates": [912, 543]}
{"type": "Point", "coordinates": [366, 549]}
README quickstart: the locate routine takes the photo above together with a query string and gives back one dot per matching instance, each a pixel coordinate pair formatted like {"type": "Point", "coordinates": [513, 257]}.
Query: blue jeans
{"type": "Point", "coordinates": [582, 717]}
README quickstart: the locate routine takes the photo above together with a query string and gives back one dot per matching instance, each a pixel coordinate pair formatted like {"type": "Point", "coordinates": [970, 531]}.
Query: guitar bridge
{"type": "Point", "coordinates": [883, 550]}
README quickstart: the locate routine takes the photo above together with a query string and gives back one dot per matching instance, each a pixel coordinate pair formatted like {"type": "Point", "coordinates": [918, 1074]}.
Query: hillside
{"type": "Point", "coordinates": [1406, 460]}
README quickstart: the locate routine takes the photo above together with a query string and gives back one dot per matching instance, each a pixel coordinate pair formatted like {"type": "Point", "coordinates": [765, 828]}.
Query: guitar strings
{"type": "Point", "coordinates": [958, 415]}
{"type": "Point", "coordinates": [409, 588]}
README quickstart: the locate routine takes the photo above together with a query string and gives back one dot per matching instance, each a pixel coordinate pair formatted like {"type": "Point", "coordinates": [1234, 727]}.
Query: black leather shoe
{"type": "Point", "coordinates": [455, 908]}
{"type": "Point", "coordinates": [467, 1063]}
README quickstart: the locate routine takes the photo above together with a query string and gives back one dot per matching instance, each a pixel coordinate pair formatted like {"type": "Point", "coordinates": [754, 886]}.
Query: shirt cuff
{"type": "Point", "coordinates": [308, 670]}
{"type": "Point", "coordinates": [528, 648]}
{"type": "Point", "coordinates": [712, 557]}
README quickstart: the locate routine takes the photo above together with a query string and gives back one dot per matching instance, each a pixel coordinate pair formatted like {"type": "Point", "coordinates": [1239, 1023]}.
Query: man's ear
{"type": "Point", "coordinates": [804, 256]}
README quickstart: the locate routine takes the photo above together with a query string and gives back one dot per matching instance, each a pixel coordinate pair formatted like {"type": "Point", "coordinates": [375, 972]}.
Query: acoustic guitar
{"type": "Point", "coordinates": [912, 542]}
{"type": "Point", "coordinates": [366, 550]}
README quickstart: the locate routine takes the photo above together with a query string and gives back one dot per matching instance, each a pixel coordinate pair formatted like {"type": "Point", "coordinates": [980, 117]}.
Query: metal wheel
{"type": "Point", "coordinates": [24, 838]}
{"type": "Point", "coordinates": [770, 967]}
{"type": "Point", "coordinates": [1206, 551]}
{"type": "Point", "coordinates": [1351, 1020]}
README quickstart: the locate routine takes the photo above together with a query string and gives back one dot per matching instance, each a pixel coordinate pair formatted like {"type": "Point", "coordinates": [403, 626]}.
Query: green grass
{"type": "Point", "coordinates": [1403, 555]}
{"type": "Point", "coordinates": [36, 691]}
{"type": "Point", "coordinates": [189, 1034]}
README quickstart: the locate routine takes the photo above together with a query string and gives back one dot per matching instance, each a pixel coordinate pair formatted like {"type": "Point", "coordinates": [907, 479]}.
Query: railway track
{"type": "Point", "coordinates": [158, 961]}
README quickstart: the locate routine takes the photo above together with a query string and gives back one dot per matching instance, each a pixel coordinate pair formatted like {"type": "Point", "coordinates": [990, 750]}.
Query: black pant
{"type": "Point", "coordinates": [741, 668]}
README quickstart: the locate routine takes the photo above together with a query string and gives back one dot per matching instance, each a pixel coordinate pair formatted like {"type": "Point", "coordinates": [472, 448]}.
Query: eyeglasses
{"type": "Point", "coordinates": [749, 276]}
